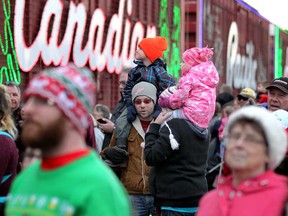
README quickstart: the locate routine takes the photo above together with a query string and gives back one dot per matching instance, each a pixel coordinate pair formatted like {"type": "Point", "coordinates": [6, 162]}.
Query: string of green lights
{"type": "Point", "coordinates": [278, 69]}
{"type": "Point", "coordinates": [11, 69]}
{"type": "Point", "coordinates": [172, 57]}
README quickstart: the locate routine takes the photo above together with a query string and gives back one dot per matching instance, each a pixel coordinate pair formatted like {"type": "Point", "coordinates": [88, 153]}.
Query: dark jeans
{"type": "Point", "coordinates": [173, 213]}
{"type": "Point", "coordinates": [142, 205]}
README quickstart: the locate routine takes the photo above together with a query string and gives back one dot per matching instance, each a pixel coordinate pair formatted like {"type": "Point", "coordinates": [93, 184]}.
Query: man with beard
{"type": "Point", "coordinates": [70, 179]}
{"type": "Point", "coordinates": [134, 175]}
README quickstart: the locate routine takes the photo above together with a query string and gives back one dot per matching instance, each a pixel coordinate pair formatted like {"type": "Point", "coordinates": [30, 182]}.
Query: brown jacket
{"type": "Point", "coordinates": [135, 176]}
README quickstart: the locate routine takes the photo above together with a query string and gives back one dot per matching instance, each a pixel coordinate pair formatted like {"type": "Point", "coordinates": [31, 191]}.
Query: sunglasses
{"type": "Point", "coordinates": [145, 101]}
{"type": "Point", "coordinates": [240, 97]}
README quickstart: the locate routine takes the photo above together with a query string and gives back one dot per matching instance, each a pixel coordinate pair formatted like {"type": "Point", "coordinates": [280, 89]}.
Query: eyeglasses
{"type": "Point", "coordinates": [249, 139]}
{"type": "Point", "coordinates": [145, 101]}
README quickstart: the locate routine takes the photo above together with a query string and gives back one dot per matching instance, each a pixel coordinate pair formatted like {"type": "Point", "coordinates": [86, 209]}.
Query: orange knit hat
{"type": "Point", "coordinates": [153, 47]}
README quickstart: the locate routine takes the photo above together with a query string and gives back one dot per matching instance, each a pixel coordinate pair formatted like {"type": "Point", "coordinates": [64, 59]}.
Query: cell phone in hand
{"type": "Point", "coordinates": [101, 121]}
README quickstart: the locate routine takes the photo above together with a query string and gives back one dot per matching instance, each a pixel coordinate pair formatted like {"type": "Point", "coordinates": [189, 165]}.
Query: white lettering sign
{"type": "Point", "coordinates": [240, 70]}
{"type": "Point", "coordinates": [114, 54]}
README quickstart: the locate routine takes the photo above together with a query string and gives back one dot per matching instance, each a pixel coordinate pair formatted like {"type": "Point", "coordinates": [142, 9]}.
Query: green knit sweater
{"type": "Point", "coordinates": [83, 187]}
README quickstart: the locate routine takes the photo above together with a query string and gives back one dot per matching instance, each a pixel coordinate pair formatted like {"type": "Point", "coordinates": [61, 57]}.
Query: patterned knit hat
{"type": "Point", "coordinates": [145, 89]}
{"type": "Point", "coordinates": [72, 89]}
{"type": "Point", "coordinates": [153, 47]}
{"type": "Point", "coordinates": [195, 55]}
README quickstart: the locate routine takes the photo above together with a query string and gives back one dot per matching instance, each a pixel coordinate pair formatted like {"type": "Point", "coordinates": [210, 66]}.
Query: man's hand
{"type": "Point", "coordinates": [116, 155]}
{"type": "Point", "coordinates": [106, 127]}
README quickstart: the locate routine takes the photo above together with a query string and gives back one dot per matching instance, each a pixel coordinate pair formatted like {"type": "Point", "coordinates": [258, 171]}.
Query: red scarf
{"type": "Point", "coordinates": [58, 161]}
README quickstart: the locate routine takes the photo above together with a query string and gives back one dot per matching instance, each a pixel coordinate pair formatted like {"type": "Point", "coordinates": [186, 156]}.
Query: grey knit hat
{"type": "Point", "coordinates": [275, 135]}
{"type": "Point", "coordinates": [144, 89]}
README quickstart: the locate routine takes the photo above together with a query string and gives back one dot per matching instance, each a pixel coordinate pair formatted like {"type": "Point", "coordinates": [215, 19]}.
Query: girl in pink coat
{"type": "Point", "coordinates": [195, 96]}
{"type": "Point", "coordinates": [255, 145]}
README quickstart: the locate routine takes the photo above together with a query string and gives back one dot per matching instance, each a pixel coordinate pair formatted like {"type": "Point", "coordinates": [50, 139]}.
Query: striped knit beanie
{"type": "Point", "coordinates": [72, 89]}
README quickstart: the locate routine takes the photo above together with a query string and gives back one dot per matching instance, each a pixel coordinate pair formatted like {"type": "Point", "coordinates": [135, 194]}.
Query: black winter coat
{"type": "Point", "coordinates": [177, 178]}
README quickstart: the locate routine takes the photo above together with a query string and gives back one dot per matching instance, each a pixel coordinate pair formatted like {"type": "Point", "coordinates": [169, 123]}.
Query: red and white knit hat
{"type": "Point", "coordinates": [72, 89]}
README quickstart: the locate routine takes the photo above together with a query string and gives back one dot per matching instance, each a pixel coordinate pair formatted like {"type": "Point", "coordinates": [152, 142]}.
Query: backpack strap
{"type": "Point", "coordinates": [3, 198]}
{"type": "Point", "coordinates": [6, 134]}
{"type": "Point", "coordinates": [4, 178]}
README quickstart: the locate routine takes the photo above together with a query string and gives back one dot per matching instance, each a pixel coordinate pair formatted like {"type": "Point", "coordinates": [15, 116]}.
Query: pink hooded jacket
{"type": "Point", "coordinates": [196, 94]}
{"type": "Point", "coordinates": [264, 195]}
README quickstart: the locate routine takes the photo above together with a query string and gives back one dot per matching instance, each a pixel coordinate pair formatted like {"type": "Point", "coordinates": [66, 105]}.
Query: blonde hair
{"type": "Point", "coordinates": [6, 119]}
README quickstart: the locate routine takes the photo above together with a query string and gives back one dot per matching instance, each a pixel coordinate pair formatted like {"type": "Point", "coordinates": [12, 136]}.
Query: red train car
{"type": "Point", "coordinates": [244, 43]}
{"type": "Point", "coordinates": [99, 34]}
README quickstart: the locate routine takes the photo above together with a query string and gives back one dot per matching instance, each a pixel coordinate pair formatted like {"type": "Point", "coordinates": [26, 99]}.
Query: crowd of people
{"type": "Point", "coordinates": [168, 148]}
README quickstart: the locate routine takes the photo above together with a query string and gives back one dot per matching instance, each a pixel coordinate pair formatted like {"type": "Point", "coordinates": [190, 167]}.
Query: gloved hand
{"type": "Point", "coordinates": [131, 114]}
{"type": "Point", "coordinates": [116, 155]}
